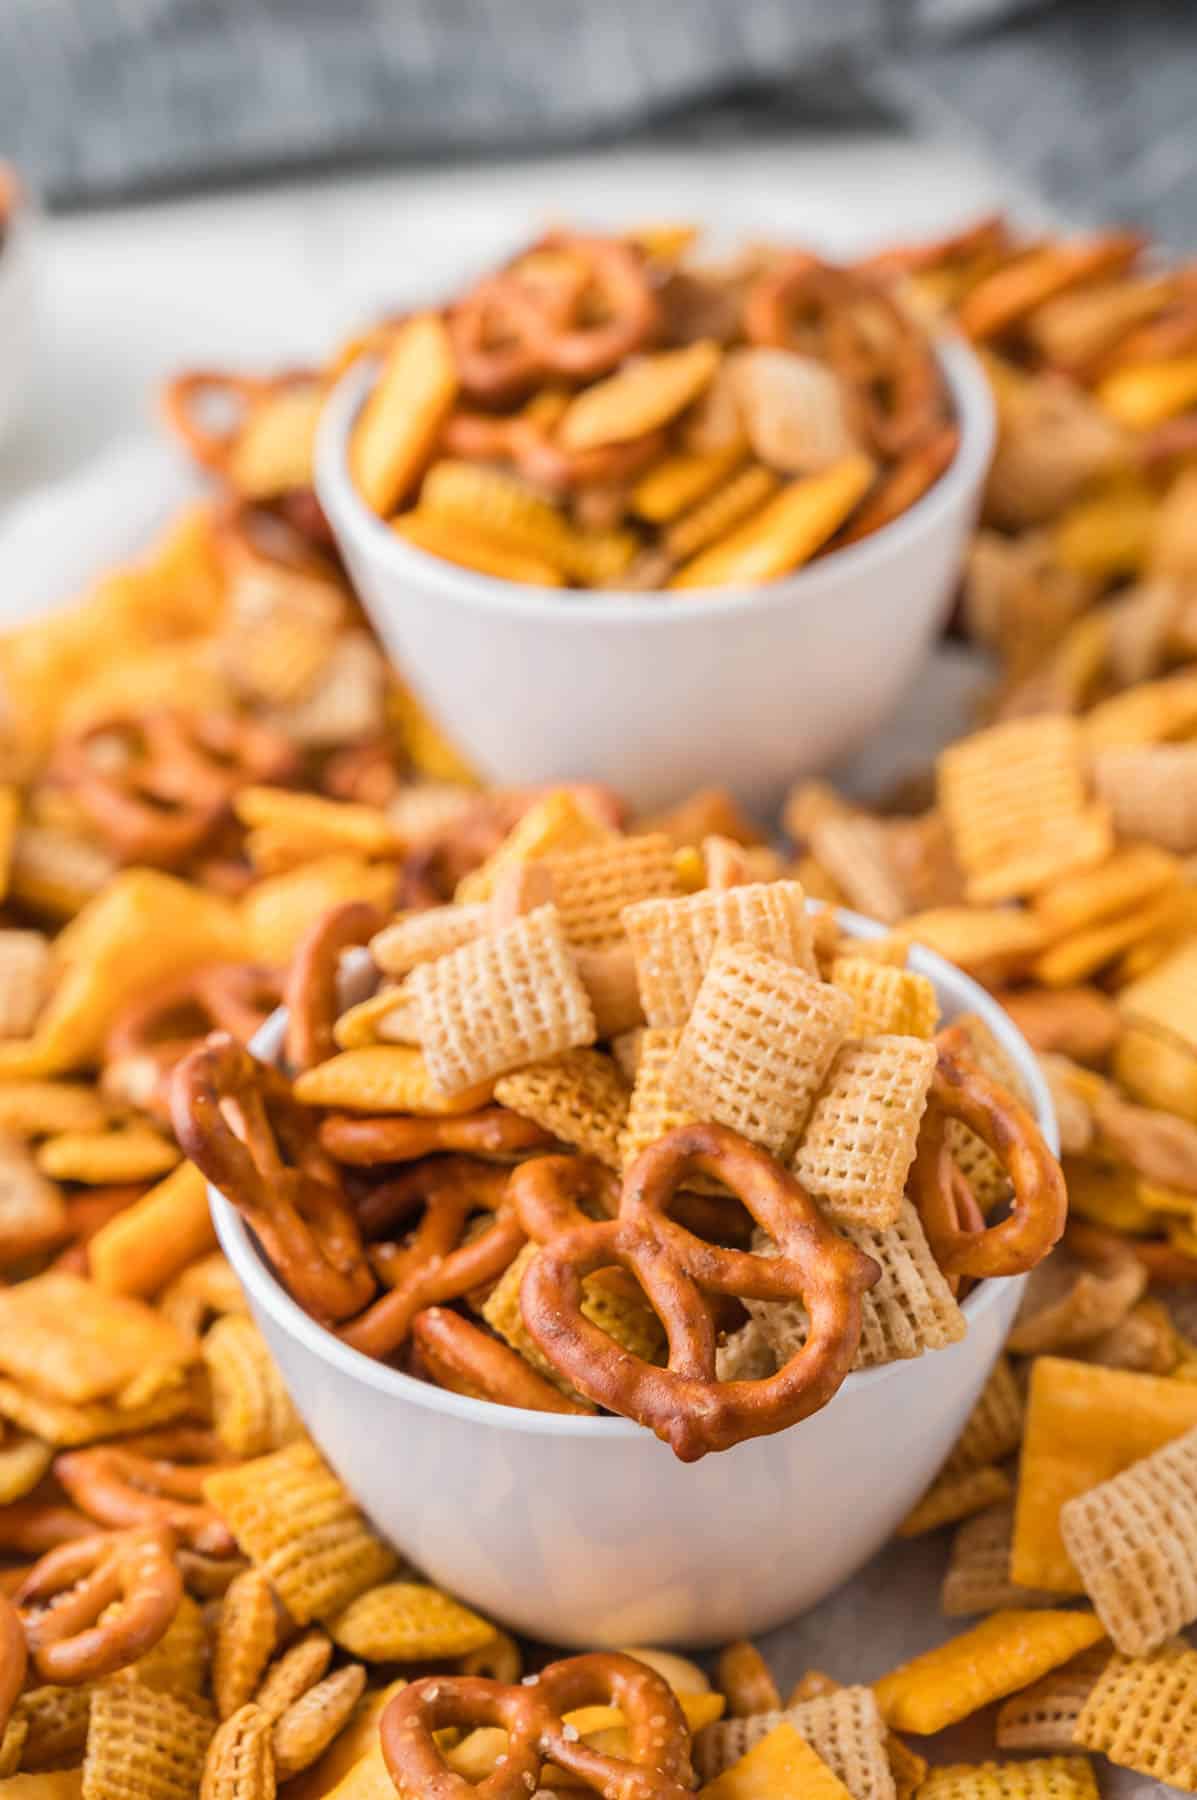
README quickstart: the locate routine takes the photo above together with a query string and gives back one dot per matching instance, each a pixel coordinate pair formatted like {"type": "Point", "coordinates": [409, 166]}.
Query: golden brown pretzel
{"type": "Point", "coordinates": [657, 1766]}
{"type": "Point", "coordinates": [901, 486]}
{"type": "Point", "coordinates": [465, 1359]}
{"type": "Point", "coordinates": [157, 1480]}
{"type": "Point", "coordinates": [311, 994]}
{"type": "Point", "coordinates": [391, 1138]}
{"type": "Point", "coordinates": [684, 1403]}
{"type": "Point", "coordinates": [547, 1194]}
{"type": "Point", "coordinates": [14, 1659]}
{"type": "Point", "coordinates": [1039, 1208]}
{"type": "Point", "coordinates": [510, 333]}
{"type": "Point", "coordinates": [240, 1124]}
{"type": "Point", "coordinates": [440, 1262]}
{"type": "Point", "coordinates": [536, 454]}
{"type": "Point", "coordinates": [31, 1527]}
{"type": "Point", "coordinates": [91, 1607]}
{"type": "Point", "coordinates": [151, 1036]}
{"type": "Point", "coordinates": [213, 445]}
{"type": "Point", "coordinates": [156, 784]}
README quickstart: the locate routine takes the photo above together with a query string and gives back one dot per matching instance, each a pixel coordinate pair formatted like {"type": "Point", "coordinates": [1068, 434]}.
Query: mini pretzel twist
{"type": "Point", "coordinates": [185, 396]}
{"type": "Point", "coordinates": [149, 1038]}
{"type": "Point", "coordinates": [890, 378]}
{"type": "Point", "coordinates": [311, 995]}
{"type": "Point", "coordinates": [157, 784]}
{"type": "Point", "coordinates": [391, 1138]}
{"type": "Point", "coordinates": [537, 455]}
{"type": "Point", "coordinates": [440, 1262]}
{"type": "Point", "coordinates": [511, 332]}
{"type": "Point", "coordinates": [158, 1481]}
{"type": "Point", "coordinates": [31, 1527]}
{"type": "Point", "coordinates": [1039, 1208]}
{"type": "Point", "coordinates": [240, 1124]}
{"type": "Point", "coordinates": [460, 1357]}
{"type": "Point", "coordinates": [657, 1766]}
{"type": "Point", "coordinates": [14, 1658]}
{"type": "Point", "coordinates": [91, 1607]}
{"type": "Point", "coordinates": [684, 1403]}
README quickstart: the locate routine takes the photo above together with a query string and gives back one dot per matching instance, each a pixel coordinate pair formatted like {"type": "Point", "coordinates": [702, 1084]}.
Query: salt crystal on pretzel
{"type": "Point", "coordinates": [581, 1098]}
{"type": "Point", "coordinates": [592, 885]}
{"type": "Point", "coordinates": [1142, 1713]}
{"type": "Point", "coordinates": [673, 940]}
{"type": "Point", "coordinates": [886, 999]}
{"type": "Point", "coordinates": [295, 1521]}
{"type": "Point", "coordinates": [758, 1044]}
{"type": "Point", "coordinates": [503, 1001]}
{"type": "Point", "coordinates": [1133, 1540]}
{"type": "Point", "coordinates": [978, 1578]}
{"type": "Point", "coordinates": [859, 1139]}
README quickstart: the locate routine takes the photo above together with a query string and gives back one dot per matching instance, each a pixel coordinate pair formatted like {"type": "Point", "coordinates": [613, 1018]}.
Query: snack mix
{"type": "Point", "coordinates": [581, 1112]}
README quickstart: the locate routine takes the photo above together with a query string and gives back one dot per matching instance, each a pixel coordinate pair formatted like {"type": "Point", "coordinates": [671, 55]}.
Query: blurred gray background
{"type": "Point", "coordinates": [1091, 102]}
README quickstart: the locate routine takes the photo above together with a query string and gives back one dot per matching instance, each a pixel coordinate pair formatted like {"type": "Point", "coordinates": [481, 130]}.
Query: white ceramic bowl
{"type": "Point", "coordinates": [660, 694]}
{"type": "Point", "coordinates": [589, 1531]}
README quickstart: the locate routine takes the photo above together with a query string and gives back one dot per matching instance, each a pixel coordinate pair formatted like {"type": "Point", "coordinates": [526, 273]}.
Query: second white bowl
{"type": "Point", "coordinates": [658, 694]}
{"type": "Point", "coordinates": [589, 1532]}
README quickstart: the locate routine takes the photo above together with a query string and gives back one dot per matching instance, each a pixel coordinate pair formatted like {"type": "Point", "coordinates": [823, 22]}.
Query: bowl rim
{"type": "Point", "coordinates": [572, 608]}
{"type": "Point", "coordinates": [259, 1279]}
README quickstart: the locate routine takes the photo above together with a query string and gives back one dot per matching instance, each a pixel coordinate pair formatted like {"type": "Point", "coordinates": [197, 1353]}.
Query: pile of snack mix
{"type": "Point", "coordinates": [190, 1602]}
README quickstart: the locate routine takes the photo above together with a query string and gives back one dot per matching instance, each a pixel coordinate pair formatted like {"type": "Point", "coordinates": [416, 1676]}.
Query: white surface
{"type": "Point", "coordinates": [589, 1531]}
{"type": "Point", "coordinates": [656, 695]}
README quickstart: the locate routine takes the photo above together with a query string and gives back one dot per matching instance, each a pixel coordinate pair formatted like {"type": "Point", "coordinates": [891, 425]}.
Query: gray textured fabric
{"type": "Point", "coordinates": [1092, 100]}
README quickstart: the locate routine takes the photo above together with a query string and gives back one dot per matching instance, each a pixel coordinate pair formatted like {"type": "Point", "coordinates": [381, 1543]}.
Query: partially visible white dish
{"type": "Point", "coordinates": [588, 1531]}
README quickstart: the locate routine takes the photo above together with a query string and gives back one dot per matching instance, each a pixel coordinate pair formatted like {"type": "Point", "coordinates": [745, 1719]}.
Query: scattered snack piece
{"type": "Point", "coordinates": [1049, 1778]}
{"type": "Point", "coordinates": [781, 1763]}
{"type": "Point", "coordinates": [1003, 1653]}
{"type": "Point", "coordinates": [859, 1139]}
{"type": "Point", "coordinates": [580, 1098]}
{"type": "Point", "coordinates": [1142, 1714]}
{"type": "Point", "coordinates": [294, 1520]}
{"type": "Point", "coordinates": [673, 940]}
{"type": "Point", "coordinates": [405, 1621]}
{"type": "Point", "coordinates": [1044, 1716]}
{"type": "Point", "coordinates": [1084, 1425]}
{"type": "Point", "coordinates": [1133, 1540]}
{"type": "Point", "coordinates": [978, 1574]}
{"type": "Point", "coordinates": [956, 1495]}
{"type": "Point", "coordinates": [757, 1046]}
{"type": "Point", "coordinates": [503, 1001]}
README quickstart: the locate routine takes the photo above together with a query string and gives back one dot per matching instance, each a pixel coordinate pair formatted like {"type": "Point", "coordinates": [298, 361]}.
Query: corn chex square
{"type": "Point", "coordinates": [887, 999]}
{"type": "Point", "coordinates": [978, 1580]}
{"type": "Point", "coordinates": [909, 1310]}
{"type": "Point", "coordinates": [500, 1002]}
{"type": "Point", "coordinates": [859, 1142]}
{"type": "Point", "coordinates": [1142, 1714]}
{"type": "Point", "coordinates": [419, 937]}
{"type": "Point", "coordinates": [1133, 1540]}
{"type": "Point", "coordinates": [673, 940]}
{"type": "Point", "coordinates": [758, 1045]}
{"type": "Point", "coordinates": [592, 886]}
{"type": "Point", "coordinates": [581, 1097]}
{"type": "Point", "coordinates": [1016, 805]}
